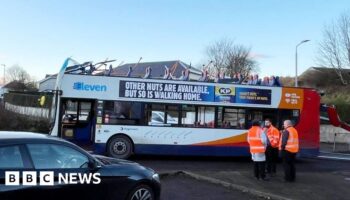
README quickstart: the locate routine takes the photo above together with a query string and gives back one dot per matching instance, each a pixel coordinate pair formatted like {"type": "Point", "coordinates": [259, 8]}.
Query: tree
{"type": "Point", "coordinates": [17, 73]}
{"type": "Point", "coordinates": [230, 58]}
{"type": "Point", "coordinates": [20, 79]}
{"type": "Point", "coordinates": [239, 61]}
{"type": "Point", "coordinates": [217, 54]}
{"type": "Point", "coordinates": [334, 49]}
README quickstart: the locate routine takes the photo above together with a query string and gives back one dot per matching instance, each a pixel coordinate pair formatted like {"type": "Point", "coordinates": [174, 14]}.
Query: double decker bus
{"type": "Point", "coordinates": [121, 116]}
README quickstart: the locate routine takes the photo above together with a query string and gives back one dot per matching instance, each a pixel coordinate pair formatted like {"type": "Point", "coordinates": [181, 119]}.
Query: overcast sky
{"type": "Point", "coordinates": [39, 35]}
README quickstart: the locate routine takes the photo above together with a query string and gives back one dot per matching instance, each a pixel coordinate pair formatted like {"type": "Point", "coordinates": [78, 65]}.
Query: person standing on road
{"type": "Point", "coordinates": [289, 146]}
{"type": "Point", "coordinates": [273, 136]}
{"type": "Point", "coordinates": [257, 144]}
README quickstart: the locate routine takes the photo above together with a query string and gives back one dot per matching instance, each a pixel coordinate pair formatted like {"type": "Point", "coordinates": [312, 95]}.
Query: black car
{"type": "Point", "coordinates": [37, 166]}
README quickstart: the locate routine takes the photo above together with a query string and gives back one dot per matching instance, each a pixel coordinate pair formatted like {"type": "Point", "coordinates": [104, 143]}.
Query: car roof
{"type": "Point", "coordinates": [22, 135]}
{"type": "Point", "coordinates": [18, 137]}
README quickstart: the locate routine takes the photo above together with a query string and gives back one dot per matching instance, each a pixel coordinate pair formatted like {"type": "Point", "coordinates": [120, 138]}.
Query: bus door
{"type": "Point", "coordinates": [78, 120]}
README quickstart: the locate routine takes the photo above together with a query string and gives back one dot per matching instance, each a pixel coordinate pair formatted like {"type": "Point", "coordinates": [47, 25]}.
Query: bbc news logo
{"type": "Point", "coordinates": [47, 178]}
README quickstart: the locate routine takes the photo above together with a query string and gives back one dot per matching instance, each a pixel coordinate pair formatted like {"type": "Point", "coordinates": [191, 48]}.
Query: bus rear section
{"type": "Point", "coordinates": [308, 124]}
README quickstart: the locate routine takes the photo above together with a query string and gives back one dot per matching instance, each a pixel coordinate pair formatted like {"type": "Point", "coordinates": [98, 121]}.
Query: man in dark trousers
{"type": "Point", "coordinates": [273, 136]}
{"type": "Point", "coordinates": [289, 147]}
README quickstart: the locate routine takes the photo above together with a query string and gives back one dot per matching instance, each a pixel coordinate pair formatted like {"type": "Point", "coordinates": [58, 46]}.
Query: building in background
{"type": "Point", "coordinates": [158, 68]}
{"type": "Point", "coordinates": [48, 83]}
{"type": "Point", "coordinates": [138, 71]}
{"type": "Point", "coordinates": [323, 76]}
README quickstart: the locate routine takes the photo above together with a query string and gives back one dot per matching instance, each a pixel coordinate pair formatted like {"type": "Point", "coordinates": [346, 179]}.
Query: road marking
{"type": "Point", "coordinates": [333, 157]}
{"type": "Point", "coordinates": [334, 153]}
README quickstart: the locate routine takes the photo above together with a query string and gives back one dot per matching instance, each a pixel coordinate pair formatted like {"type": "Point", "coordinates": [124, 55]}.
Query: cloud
{"type": "Point", "coordinates": [259, 55]}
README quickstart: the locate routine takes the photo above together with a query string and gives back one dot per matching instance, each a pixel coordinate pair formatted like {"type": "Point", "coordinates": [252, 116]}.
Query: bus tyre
{"type": "Point", "coordinates": [141, 192]}
{"type": "Point", "coordinates": [120, 147]}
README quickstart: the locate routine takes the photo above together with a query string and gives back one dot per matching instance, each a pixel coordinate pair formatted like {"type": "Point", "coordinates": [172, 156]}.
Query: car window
{"type": "Point", "coordinates": [52, 156]}
{"type": "Point", "coordinates": [10, 157]}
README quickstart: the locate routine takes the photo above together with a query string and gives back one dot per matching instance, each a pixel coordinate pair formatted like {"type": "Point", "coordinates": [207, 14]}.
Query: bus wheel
{"type": "Point", "coordinates": [119, 147]}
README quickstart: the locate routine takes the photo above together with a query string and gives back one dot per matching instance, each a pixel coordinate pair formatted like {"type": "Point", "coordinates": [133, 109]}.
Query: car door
{"type": "Point", "coordinates": [69, 167]}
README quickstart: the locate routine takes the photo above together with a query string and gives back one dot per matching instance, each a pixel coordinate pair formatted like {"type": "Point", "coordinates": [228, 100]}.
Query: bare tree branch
{"type": "Point", "coordinates": [230, 58]}
{"type": "Point", "coordinates": [23, 80]}
{"type": "Point", "coordinates": [17, 73]}
{"type": "Point", "coordinates": [344, 26]}
{"type": "Point", "coordinates": [334, 49]}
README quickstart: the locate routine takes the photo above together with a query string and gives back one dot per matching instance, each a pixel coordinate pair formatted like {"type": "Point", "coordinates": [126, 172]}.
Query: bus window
{"type": "Point", "coordinates": [258, 115]}
{"type": "Point", "coordinates": [254, 115]}
{"type": "Point", "coordinates": [188, 117]}
{"type": "Point", "coordinates": [172, 113]}
{"type": "Point", "coordinates": [162, 115]}
{"type": "Point", "coordinates": [122, 113]}
{"type": "Point", "coordinates": [261, 115]}
{"type": "Point", "coordinates": [70, 109]}
{"type": "Point", "coordinates": [156, 115]}
{"type": "Point", "coordinates": [84, 111]}
{"type": "Point", "coordinates": [206, 116]}
{"type": "Point", "coordinates": [157, 118]}
{"type": "Point", "coordinates": [231, 118]}
{"type": "Point", "coordinates": [292, 115]}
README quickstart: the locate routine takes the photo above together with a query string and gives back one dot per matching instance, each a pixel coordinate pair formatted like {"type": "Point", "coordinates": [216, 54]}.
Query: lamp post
{"type": "Point", "coordinates": [296, 61]}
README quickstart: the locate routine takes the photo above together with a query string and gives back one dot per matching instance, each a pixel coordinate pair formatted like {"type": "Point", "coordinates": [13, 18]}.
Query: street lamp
{"type": "Point", "coordinates": [296, 61]}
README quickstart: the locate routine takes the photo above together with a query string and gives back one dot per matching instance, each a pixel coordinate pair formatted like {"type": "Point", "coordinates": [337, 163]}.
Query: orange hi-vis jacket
{"type": "Point", "coordinates": [293, 141]}
{"type": "Point", "coordinates": [273, 135]}
{"type": "Point", "coordinates": [254, 140]}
